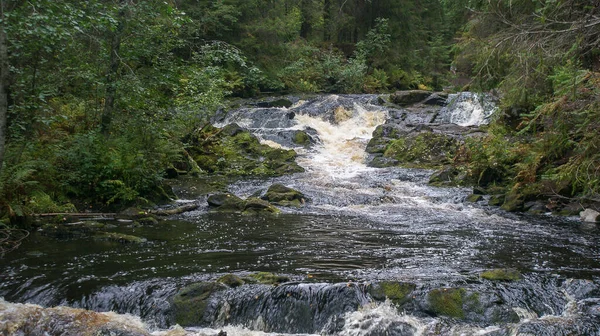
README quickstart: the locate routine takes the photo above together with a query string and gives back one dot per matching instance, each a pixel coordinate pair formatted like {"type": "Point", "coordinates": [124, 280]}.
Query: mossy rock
{"type": "Point", "coordinates": [255, 205]}
{"type": "Point", "coordinates": [268, 278]}
{"type": "Point", "coordinates": [226, 202]}
{"type": "Point", "coordinates": [474, 198]}
{"type": "Point", "coordinates": [133, 213]}
{"type": "Point", "coordinates": [190, 303]}
{"type": "Point", "coordinates": [496, 200]}
{"type": "Point", "coordinates": [447, 302]}
{"type": "Point", "coordinates": [398, 292]}
{"type": "Point", "coordinates": [302, 138]}
{"type": "Point", "coordinates": [423, 150]}
{"type": "Point", "coordinates": [120, 238]}
{"type": "Point", "coordinates": [281, 195]}
{"type": "Point", "coordinates": [501, 274]}
{"type": "Point", "coordinates": [513, 202]}
{"type": "Point", "coordinates": [233, 150]}
{"type": "Point", "coordinates": [231, 280]}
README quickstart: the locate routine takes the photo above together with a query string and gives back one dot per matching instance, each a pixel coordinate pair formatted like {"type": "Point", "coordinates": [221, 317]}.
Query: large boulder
{"type": "Point", "coordinates": [422, 149]}
{"type": "Point", "coordinates": [279, 194]}
{"type": "Point", "coordinates": [233, 150]}
{"type": "Point", "coordinates": [410, 97]}
{"type": "Point", "coordinates": [226, 202]}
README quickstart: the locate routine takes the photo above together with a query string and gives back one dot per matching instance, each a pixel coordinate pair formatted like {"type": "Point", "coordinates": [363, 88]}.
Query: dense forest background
{"type": "Point", "coordinates": [96, 97]}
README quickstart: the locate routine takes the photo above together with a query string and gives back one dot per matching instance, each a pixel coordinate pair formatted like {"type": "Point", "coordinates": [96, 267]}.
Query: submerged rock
{"type": "Point", "coordinates": [501, 274]}
{"type": "Point", "coordinates": [120, 238]}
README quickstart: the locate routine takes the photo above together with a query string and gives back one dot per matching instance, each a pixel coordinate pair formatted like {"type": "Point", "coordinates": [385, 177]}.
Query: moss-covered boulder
{"type": "Point", "coordinates": [302, 138]}
{"type": "Point", "coordinates": [232, 150]}
{"type": "Point", "coordinates": [279, 194]}
{"type": "Point", "coordinates": [190, 303]}
{"type": "Point", "coordinates": [255, 205]}
{"type": "Point", "coordinates": [501, 274]}
{"type": "Point", "coordinates": [231, 280]}
{"type": "Point", "coordinates": [226, 202]}
{"type": "Point", "coordinates": [447, 302]}
{"type": "Point", "coordinates": [422, 150]}
{"type": "Point", "coordinates": [448, 176]}
{"type": "Point", "coordinates": [397, 292]}
{"type": "Point", "coordinates": [474, 198]}
{"type": "Point", "coordinates": [496, 200]}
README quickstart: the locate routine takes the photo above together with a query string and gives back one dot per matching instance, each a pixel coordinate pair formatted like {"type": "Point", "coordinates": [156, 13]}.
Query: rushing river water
{"type": "Point", "coordinates": [362, 225]}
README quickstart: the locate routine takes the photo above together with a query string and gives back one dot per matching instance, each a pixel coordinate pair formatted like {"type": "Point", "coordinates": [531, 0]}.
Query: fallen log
{"type": "Point", "coordinates": [77, 214]}
{"type": "Point", "coordinates": [175, 211]}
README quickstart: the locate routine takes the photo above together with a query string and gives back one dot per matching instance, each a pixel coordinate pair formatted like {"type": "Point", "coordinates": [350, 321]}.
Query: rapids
{"type": "Point", "coordinates": [362, 226]}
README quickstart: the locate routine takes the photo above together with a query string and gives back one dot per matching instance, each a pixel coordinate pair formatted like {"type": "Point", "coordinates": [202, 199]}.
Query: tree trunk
{"type": "Point", "coordinates": [305, 12]}
{"type": "Point", "coordinates": [112, 73]}
{"type": "Point", "coordinates": [3, 85]}
{"type": "Point", "coordinates": [327, 20]}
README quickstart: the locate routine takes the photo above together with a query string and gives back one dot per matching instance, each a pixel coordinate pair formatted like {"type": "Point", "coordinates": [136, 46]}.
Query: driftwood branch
{"type": "Point", "coordinates": [175, 211]}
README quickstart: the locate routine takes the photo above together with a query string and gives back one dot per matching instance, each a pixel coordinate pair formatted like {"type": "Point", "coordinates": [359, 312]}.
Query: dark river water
{"type": "Point", "coordinates": [362, 224]}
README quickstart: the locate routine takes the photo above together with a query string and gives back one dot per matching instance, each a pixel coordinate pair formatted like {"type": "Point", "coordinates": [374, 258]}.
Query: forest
{"type": "Point", "coordinates": [97, 97]}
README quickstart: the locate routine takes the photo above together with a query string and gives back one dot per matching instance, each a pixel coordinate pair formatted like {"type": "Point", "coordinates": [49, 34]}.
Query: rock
{"type": "Point", "coordinates": [513, 202]}
{"type": "Point", "coordinates": [501, 274]}
{"type": "Point", "coordinates": [120, 238]}
{"type": "Point", "coordinates": [377, 145]}
{"type": "Point", "coordinates": [256, 205]}
{"type": "Point", "coordinates": [447, 302]}
{"type": "Point", "coordinates": [447, 177]}
{"type": "Point", "coordinates": [436, 98]}
{"type": "Point", "coordinates": [422, 150]}
{"type": "Point", "coordinates": [535, 207]}
{"type": "Point", "coordinates": [282, 102]}
{"type": "Point", "coordinates": [398, 292]}
{"type": "Point", "coordinates": [279, 194]}
{"type": "Point", "coordinates": [590, 215]}
{"type": "Point", "coordinates": [488, 176]}
{"type": "Point", "coordinates": [474, 198]}
{"type": "Point", "coordinates": [132, 213]}
{"type": "Point", "coordinates": [233, 150]}
{"type": "Point", "coordinates": [479, 191]}
{"type": "Point", "coordinates": [231, 280]}
{"type": "Point", "coordinates": [383, 162]}
{"type": "Point", "coordinates": [410, 97]}
{"type": "Point", "coordinates": [190, 303]}
{"type": "Point", "coordinates": [302, 138]}
{"type": "Point", "coordinates": [496, 200]}
{"type": "Point", "coordinates": [226, 202]}
{"type": "Point", "coordinates": [71, 230]}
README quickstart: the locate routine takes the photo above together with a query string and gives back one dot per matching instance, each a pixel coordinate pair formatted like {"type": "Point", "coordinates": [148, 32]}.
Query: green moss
{"type": "Point", "coordinates": [398, 292]}
{"type": "Point", "coordinates": [501, 274]}
{"type": "Point", "coordinates": [301, 138]}
{"type": "Point", "coordinates": [496, 200]}
{"type": "Point", "coordinates": [281, 195]}
{"type": "Point", "coordinates": [256, 206]}
{"type": "Point", "coordinates": [235, 151]}
{"type": "Point", "coordinates": [269, 278]}
{"type": "Point", "coordinates": [231, 280]}
{"type": "Point", "coordinates": [191, 302]}
{"type": "Point", "coordinates": [447, 302]}
{"type": "Point", "coordinates": [425, 150]}
{"type": "Point", "coordinates": [474, 198]}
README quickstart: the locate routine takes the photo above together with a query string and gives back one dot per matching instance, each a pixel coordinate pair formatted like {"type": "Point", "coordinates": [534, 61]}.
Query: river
{"type": "Point", "coordinates": [362, 226]}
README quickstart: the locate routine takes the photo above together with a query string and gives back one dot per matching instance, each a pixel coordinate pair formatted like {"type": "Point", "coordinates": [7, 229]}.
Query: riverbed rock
{"type": "Point", "coordinates": [422, 150]}
{"type": "Point", "coordinates": [409, 97]}
{"type": "Point", "coordinates": [226, 202]}
{"type": "Point", "coordinates": [473, 198]}
{"type": "Point", "coordinates": [590, 215]}
{"type": "Point", "coordinates": [448, 176]}
{"type": "Point", "coordinates": [71, 230]}
{"type": "Point", "coordinates": [33, 320]}
{"type": "Point", "coordinates": [233, 150]}
{"type": "Point", "coordinates": [268, 278]}
{"type": "Point", "coordinates": [436, 98]}
{"type": "Point", "coordinates": [397, 292]}
{"type": "Point", "coordinates": [255, 205]}
{"type": "Point", "coordinates": [279, 194]}
{"type": "Point", "coordinates": [190, 303]}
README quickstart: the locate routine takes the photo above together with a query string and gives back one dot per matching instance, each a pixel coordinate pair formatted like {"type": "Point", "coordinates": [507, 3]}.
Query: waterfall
{"type": "Point", "coordinates": [468, 109]}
